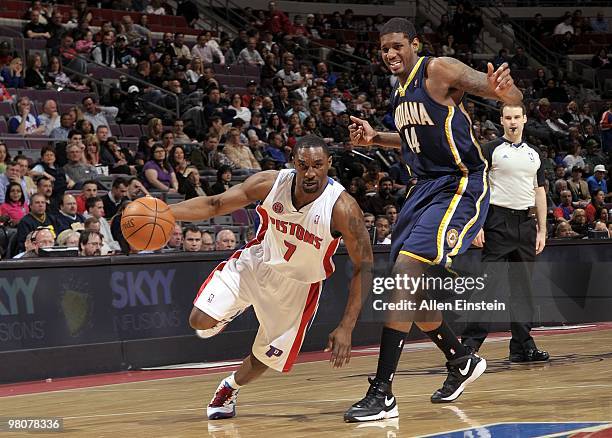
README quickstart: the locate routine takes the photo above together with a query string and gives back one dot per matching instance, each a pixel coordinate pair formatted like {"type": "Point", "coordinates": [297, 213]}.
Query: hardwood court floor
{"type": "Point", "coordinates": [575, 386]}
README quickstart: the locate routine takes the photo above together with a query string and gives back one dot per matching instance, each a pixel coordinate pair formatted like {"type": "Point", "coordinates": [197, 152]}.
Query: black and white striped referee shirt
{"type": "Point", "coordinates": [515, 170]}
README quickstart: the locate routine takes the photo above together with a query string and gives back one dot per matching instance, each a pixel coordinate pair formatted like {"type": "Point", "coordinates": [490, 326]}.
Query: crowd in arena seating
{"type": "Point", "coordinates": [242, 105]}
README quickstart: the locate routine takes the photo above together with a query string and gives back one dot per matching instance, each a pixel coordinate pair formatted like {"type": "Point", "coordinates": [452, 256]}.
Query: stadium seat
{"type": "Point", "coordinates": [240, 217]}
{"type": "Point", "coordinates": [6, 109]}
{"type": "Point", "coordinates": [131, 131]}
{"type": "Point", "coordinates": [223, 220]}
{"type": "Point", "coordinates": [3, 126]}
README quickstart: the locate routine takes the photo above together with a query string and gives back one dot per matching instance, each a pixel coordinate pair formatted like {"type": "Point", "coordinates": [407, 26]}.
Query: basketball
{"type": "Point", "coordinates": [147, 223]}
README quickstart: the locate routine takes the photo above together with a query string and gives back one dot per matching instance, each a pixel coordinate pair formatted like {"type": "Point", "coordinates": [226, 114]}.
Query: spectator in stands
{"type": "Point", "coordinates": [179, 134]}
{"type": "Point", "coordinates": [155, 8]}
{"type": "Point", "coordinates": [579, 223]}
{"type": "Point", "coordinates": [241, 111]}
{"type": "Point", "coordinates": [37, 217]}
{"type": "Point", "coordinates": [175, 243]}
{"type": "Point", "coordinates": [207, 157]}
{"type": "Point", "coordinates": [391, 214]}
{"type": "Point", "coordinates": [228, 52]}
{"type": "Point", "coordinates": [117, 195]}
{"type": "Point", "coordinates": [373, 176]}
{"type": "Point", "coordinates": [250, 55]}
{"type": "Point", "coordinates": [376, 204]}
{"type": "Point", "coordinates": [12, 175]}
{"type": "Point", "coordinates": [34, 28]}
{"type": "Point", "coordinates": [158, 174]}
{"type": "Point", "coordinates": [66, 124]}
{"type": "Point", "coordinates": [34, 76]}
{"type": "Point", "coordinates": [502, 56]}
{"type": "Point", "coordinates": [329, 127]}
{"type": "Point", "coordinates": [356, 188]}
{"type": "Point", "coordinates": [606, 129]}
{"type": "Point", "coordinates": [85, 44]}
{"type": "Point", "coordinates": [297, 108]}
{"type": "Point", "coordinates": [597, 203]}
{"type": "Point", "coordinates": [554, 93]}
{"type": "Point", "coordinates": [276, 149]}
{"type": "Point", "coordinates": [519, 60]}
{"type": "Point", "coordinates": [179, 164]}
{"type": "Point", "coordinates": [277, 22]}
{"type": "Point", "coordinates": [90, 243]}
{"type": "Point", "coordinates": [89, 190]}
{"type": "Point", "coordinates": [98, 115]}
{"type": "Point", "coordinates": [136, 189]}
{"type": "Point", "coordinates": [49, 118]}
{"type": "Point", "coordinates": [574, 158]}
{"type": "Point", "coordinates": [383, 230]}
{"type": "Point", "coordinates": [5, 156]}
{"type": "Point", "coordinates": [564, 26]}
{"type": "Point", "coordinates": [197, 185]}
{"type": "Point", "coordinates": [565, 209]}
{"type": "Point", "coordinates": [41, 237]}
{"type": "Point", "coordinates": [207, 49]}
{"type": "Point", "coordinates": [44, 186]}
{"type": "Point", "coordinates": [239, 153]}
{"type": "Point", "coordinates": [192, 239]}
{"type": "Point", "coordinates": [448, 49]}
{"type": "Point", "coordinates": [58, 78]}
{"type": "Point", "coordinates": [599, 23]}
{"type": "Point", "coordinates": [224, 178]}
{"type": "Point", "coordinates": [12, 75]}
{"type": "Point", "coordinates": [124, 56]}
{"type": "Point", "coordinates": [291, 79]}
{"type": "Point", "coordinates": [14, 206]}
{"type": "Point", "coordinates": [600, 59]}
{"type": "Point", "coordinates": [135, 32]}
{"type": "Point", "coordinates": [337, 105]}
{"type": "Point", "coordinates": [67, 215]}
{"type": "Point", "coordinates": [155, 128]}
{"type": "Point", "coordinates": [256, 126]}
{"type": "Point", "coordinates": [24, 166]}
{"type": "Point", "coordinates": [208, 243]}
{"type": "Point", "coordinates": [57, 175]}
{"type": "Point", "coordinates": [77, 169]}
{"type": "Point", "coordinates": [368, 220]}
{"type": "Point", "coordinates": [570, 116]}
{"type": "Point", "coordinates": [579, 188]}
{"type": "Point", "coordinates": [195, 71]}
{"type": "Point", "coordinates": [226, 240]}
{"type": "Point", "coordinates": [69, 238]}
{"type": "Point", "coordinates": [95, 208]}
{"type": "Point", "coordinates": [566, 44]}
{"type": "Point", "coordinates": [597, 181]}
{"type": "Point", "coordinates": [180, 50]}
{"type": "Point", "coordinates": [189, 10]}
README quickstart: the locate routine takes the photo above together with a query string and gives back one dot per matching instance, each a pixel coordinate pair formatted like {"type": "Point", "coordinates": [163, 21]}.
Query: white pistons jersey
{"type": "Point", "coordinates": [298, 243]}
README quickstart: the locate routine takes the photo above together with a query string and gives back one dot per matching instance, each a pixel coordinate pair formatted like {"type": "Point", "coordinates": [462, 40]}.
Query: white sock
{"type": "Point", "coordinates": [232, 382]}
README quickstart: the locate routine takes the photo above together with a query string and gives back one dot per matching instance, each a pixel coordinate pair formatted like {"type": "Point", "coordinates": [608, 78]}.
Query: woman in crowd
{"type": "Point", "coordinates": [597, 203]}
{"type": "Point", "coordinates": [12, 75]}
{"type": "Point", "coordinates": [241, 111]}
{"type": "Point", "coordinates": [14, 206]}
{"type": "Point", "coordinates": [92, 150]}
{"type": "Point", "coordinates": [5, 157]}
{"type": "Point", "coordinates": [35, 77]}
{"type": "Point", "coordinates": [224, 178]}
{"type": "Point", "coordinates": [85, 127]}
{"type": "Point", "coordinates": [158, 174]}
{"type": "Point", "coordinates": [155, 129]}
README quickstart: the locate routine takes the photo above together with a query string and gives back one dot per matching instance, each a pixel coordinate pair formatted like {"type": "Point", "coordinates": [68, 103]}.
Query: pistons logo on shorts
{"type": "Point", "coordinates": [278, 207]}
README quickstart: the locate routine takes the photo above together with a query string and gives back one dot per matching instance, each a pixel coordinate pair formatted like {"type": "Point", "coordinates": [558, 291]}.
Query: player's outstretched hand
{"type": "Point", "coordinates": [361, 132]}
{"type": "Point", "coordinates": [340, 346]}
{"type": "Point", "coordinates": [500, 80]}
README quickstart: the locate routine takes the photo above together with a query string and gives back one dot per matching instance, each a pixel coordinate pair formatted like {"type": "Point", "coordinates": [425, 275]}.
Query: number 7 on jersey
{"type": "Point", "coordinates": [290, 250]}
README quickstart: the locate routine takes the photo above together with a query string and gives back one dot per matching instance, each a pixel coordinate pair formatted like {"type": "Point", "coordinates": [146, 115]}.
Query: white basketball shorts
{"type": "Point", "coordinates": [284, 307]}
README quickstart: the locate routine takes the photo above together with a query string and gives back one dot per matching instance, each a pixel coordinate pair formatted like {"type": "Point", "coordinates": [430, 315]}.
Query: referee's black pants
{"type": "Point", "coordinates": [509, 247]}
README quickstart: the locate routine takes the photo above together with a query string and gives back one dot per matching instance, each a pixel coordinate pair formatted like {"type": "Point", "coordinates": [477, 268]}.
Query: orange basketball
{"type": "Point", "coordinates": [147, 223]}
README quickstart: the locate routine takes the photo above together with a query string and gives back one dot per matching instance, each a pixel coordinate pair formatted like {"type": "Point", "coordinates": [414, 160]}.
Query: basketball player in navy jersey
{"type": "Point", "coordinates": [445, 210]}
{"type": "Point", "coordinates": [303, 214]}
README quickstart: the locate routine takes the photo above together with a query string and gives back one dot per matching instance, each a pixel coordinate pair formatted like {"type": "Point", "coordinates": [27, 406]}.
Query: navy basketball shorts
{"type": "Point", "coordinates": [440, 218]}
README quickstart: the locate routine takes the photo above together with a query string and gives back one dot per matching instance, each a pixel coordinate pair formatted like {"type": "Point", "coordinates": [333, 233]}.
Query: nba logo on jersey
{"type": "Point", "coordinates": [316, 219]}
{"type": "Point", "coordinates": [210, 298]}
{"type": "Point", "coordinates": [273, 351]}
{"type": "Point", "coordinates": [278, 208]}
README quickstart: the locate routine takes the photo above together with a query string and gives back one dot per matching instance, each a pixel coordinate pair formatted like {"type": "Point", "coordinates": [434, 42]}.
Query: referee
{"type": "Point", "coordinates": [514, 231]}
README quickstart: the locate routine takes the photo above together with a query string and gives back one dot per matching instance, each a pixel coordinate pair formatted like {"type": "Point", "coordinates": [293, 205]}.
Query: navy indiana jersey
{"type": "Point", "coordinates": [437, 139]}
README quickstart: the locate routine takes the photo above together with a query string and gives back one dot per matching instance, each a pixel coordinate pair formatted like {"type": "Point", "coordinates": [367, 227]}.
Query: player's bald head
{"type": "Point", "coordinates": [399, 25]}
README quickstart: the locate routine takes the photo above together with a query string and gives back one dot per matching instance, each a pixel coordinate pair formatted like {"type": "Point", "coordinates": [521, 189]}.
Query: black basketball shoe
{"type": "Point", "coordinates": [530, 355]}
{"type": "Point", "coordinates": [461, 372]}
{"type": "Point", "coordinates": [378, 404]}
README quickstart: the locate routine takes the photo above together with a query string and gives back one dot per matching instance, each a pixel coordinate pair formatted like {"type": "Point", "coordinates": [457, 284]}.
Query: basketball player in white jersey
{"type": "Point", "coordinates": [302, 215]}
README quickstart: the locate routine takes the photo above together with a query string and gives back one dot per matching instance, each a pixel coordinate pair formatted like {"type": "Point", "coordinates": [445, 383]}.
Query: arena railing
{"type": "Point", "coordinates": [133, 79]}
{"type": "Point", "coordinates": [102, 85]}
{"type": "Point", "coordinates": [533, 47]}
